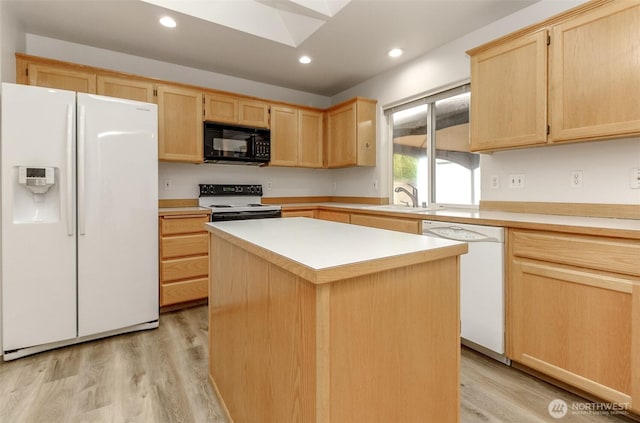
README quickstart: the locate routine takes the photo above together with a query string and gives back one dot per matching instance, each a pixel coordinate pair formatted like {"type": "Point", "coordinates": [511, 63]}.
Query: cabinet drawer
{"type": "Point", "coordinates": [394, 224]}
{"type": "Point", "coordinates": [184, 268]}
{"type": "Point", "coordinates": [333, 216]}
{"type": "Point", "coordinates": [184, 245]}
{"type": "Point", "coordinates": [182, 225]}
{"type": "Point", "coordinates": [609, 254]}
{"type": "Point", "coordinates": [179, 292]}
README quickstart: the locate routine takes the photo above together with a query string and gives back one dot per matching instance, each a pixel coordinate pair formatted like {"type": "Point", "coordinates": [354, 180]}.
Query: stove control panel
{"type": "Point", "coordinates": [222, 189]}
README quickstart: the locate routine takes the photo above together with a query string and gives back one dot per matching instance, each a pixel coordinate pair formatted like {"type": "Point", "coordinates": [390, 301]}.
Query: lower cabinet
{"type": "Point", "coordinates": [184, 258]}
{"type": "Point", "coordinates": [298, 213]}
{"type": "Point", "coordinates": [334, 216]}
{"type": "Point", "coordinates": [412, 226]}
{"type": "Point", "coordinates": [574, 311]}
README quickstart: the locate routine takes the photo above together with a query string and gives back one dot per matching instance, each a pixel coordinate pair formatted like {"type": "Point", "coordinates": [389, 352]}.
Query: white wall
{"type": "Point", "coordinates": [276, 182]}
{"type": "Point", "coordinates": [605, 164]}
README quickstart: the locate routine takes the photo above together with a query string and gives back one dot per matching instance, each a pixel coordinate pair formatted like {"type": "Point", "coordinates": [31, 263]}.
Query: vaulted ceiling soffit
{"type": "Point", "coordinates": [288, 22]}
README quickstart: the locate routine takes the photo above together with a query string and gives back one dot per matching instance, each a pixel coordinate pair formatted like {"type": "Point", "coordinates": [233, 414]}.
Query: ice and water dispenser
{"type": "Point", "coordinates": [37, 197]}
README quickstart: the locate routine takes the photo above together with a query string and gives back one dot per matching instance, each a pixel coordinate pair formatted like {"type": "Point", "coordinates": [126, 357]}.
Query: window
{"type": "Point", "coordinates": [432, 163]}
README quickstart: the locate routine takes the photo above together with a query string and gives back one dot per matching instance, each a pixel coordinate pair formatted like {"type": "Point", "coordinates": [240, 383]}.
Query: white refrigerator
{"type": "Point", "coordinates": [79, 218]}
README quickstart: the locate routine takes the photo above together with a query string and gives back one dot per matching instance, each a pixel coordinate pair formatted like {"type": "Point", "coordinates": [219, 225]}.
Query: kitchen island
{"type": "Point", "coordinates": [317, 321]}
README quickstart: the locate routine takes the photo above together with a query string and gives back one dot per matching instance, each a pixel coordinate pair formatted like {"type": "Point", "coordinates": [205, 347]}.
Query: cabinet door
{"type": "Point", "coordinates": [284, 136]}
{"type": "Point", "coordinates": [61, 77]}
{"type": "Point", "coordinates": [341, 128]}
{"type": "Point", "coordinates": [594, 74]}
{"type": "Point", "coordinates": [131, 89]}
{"type": "Point", "coordinates": [391, 223]}
{"type": "Point", "coordinates": [221, 108]}
{"type": "Point", "coordinates": [253, 113]}
{"type": "Point", "coordinates": [577, 326]}
{"type": "Point", "coordinates": [509, 94]}
{"type": "Point", "coordinates": [179, 124]}
{"type": "Point", "coordinates": [333, 216]}
{"type": "Point", "coordinates": [309, 138]}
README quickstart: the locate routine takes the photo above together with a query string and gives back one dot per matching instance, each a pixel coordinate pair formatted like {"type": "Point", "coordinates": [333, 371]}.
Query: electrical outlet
{"type": "Point", "coordinates": [375, 184]}
{"type": "Point", "coordinates": [575, 180]}
{"type": "Point", "coordinates": [495, 182]}
{"type": "Point", "coordinates": [634, 178]}
{"type": "Point", "coordinates": [269, 185]}
{"type": "Point", "coordinates": [167, 184]}
{"type": "Point", "coordinates": [516, 180]}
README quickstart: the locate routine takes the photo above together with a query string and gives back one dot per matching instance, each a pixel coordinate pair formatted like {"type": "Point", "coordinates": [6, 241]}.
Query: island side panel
{"type": "Point", "coordinates": [261, 337]}
{"type": "Point", "coordinates": [395, 345]}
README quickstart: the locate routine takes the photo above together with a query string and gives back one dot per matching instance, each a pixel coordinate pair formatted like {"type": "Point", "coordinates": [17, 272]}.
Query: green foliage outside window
{"type": "Point", "coordinates": [405, 167]}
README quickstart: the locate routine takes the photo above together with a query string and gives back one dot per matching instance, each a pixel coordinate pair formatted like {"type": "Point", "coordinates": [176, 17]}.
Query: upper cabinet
{"type": "Point", "coordinates": [595, 73]}
{"type": "Point", "coordinates": [180, 124]}
{"type": "Point", "coordinates": [351, 134]}
{"type": "Point", "coordinates": [236, 110]}
{"type": "Point", "coordinates": [120, 87]}
{"type": "Point", "coordinates": [509, 94]}
{"type": "Point", "coordinates": [52, 75]}
{"type": "Point", "coordinates": [296, 137]}
{"type": "Point", "coordinates": [590, 54]}
{"type": "Point", "coordinates": [344, 135]}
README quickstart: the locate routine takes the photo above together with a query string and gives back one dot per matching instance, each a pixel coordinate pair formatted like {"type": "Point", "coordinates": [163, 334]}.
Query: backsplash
{"type": "Point", "coordinates": [605, 168]}
{"type": "Point", "coordinates": [183, 179]}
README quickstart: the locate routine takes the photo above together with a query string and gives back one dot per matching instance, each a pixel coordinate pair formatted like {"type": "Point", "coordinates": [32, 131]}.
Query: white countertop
{"type": "Point", "coordinates": [320, 244]}
{"type": "Point", "coordinates": [589, 225]}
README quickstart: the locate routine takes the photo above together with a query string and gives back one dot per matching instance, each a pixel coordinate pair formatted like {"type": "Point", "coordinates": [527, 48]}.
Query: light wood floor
{"type": "Point", "coordinates": [160, 376]}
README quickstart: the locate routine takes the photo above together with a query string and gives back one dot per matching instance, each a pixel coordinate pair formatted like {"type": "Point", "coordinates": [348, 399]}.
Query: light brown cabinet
{"type": "Point", "coordinates": [179, 124]}
{"type": "Point", "coordinates": [184, 258]}
{"type": "Point", "coordinates": [236, 110]}
{"type": "Point", "coordinates": [334, 216]}
{"type": "Point", "coordinates": [298, 213]}
{"type": "Point", "coordinates": [571, 78]}
{"type": "Point", "coordinates": [594, 74]}
{"type": "Point", "coordinates": [50, 75]}
{"type": "Point", "coordinates": [120, 87]}
{"type": "Point", "coordinates": [296, 137]}
{"type": "Point", "coordinates": [412, 226]}
{"type": "Point", "coordinates": [342, 136]}
{"type": "Point", "coordinates": [509, 94]}
{"type": "Point", "coordinates": [574, 311]}
{"type": "Point", "coordinates": [351, 134]}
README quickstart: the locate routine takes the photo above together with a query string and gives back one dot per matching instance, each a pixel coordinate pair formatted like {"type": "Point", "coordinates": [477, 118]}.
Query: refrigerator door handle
{"type": "Point", "coordinates": [69, 170]}
{"type": "Point", "coordinates": [81, 170]}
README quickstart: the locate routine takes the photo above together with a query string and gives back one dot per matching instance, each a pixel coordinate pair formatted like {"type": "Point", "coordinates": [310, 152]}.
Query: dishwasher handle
{"type": "Point", "coordinates": [456, 233]}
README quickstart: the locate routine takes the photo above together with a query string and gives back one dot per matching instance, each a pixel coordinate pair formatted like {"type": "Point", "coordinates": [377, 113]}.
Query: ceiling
{"type": "Point", "coordinates": [346, 48]}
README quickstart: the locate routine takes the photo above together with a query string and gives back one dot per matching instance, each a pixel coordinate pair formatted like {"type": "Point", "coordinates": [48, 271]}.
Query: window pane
{"type": "Point", "coordinates": [457, 170]}
{"type": "Point", "coordinates": [410, 160]}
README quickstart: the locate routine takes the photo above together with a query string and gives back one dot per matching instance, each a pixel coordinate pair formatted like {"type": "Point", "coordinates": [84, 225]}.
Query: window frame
{"type": "Point", "coordinates": [431, 99]}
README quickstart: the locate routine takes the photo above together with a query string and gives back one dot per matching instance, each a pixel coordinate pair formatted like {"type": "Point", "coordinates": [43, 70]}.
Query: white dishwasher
{"type": "Point", "coordinates": [482, 302]}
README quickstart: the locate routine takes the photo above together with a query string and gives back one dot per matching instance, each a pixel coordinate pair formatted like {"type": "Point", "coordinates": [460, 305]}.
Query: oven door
{"type": "Point", "coordinates": [244, 215]}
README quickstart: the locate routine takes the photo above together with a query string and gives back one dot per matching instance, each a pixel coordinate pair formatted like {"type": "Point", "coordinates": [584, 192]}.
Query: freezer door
{"type": "Point", "coordinates": [38, 231]}
{"type": "Point", "coordinates": [117, 214]}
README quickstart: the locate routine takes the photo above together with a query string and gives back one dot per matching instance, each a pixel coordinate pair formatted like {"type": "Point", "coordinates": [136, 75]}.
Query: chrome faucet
{"type": "Point", "coordinates": [413, 195]}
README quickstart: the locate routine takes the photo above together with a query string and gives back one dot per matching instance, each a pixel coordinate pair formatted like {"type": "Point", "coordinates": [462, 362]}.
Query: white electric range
{"type": "Point", "coordinates": [236, 202]}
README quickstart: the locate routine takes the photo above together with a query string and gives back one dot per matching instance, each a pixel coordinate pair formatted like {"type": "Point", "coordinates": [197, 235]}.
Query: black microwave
{"type": "Point", "coordinates": [236, 144]}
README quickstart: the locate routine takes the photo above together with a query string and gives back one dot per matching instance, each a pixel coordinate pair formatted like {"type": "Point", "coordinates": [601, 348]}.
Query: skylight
{"type": "Point", "coordinates": [287, 22]}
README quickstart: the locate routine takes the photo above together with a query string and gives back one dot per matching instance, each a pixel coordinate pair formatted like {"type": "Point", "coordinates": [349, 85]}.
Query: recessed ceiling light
{"type": "Point", "coordinates": [304, 60]}
{"type": "Point", "coordinates": [395, 52]}
{"type": "Point", "coordinates": [167, 21]}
